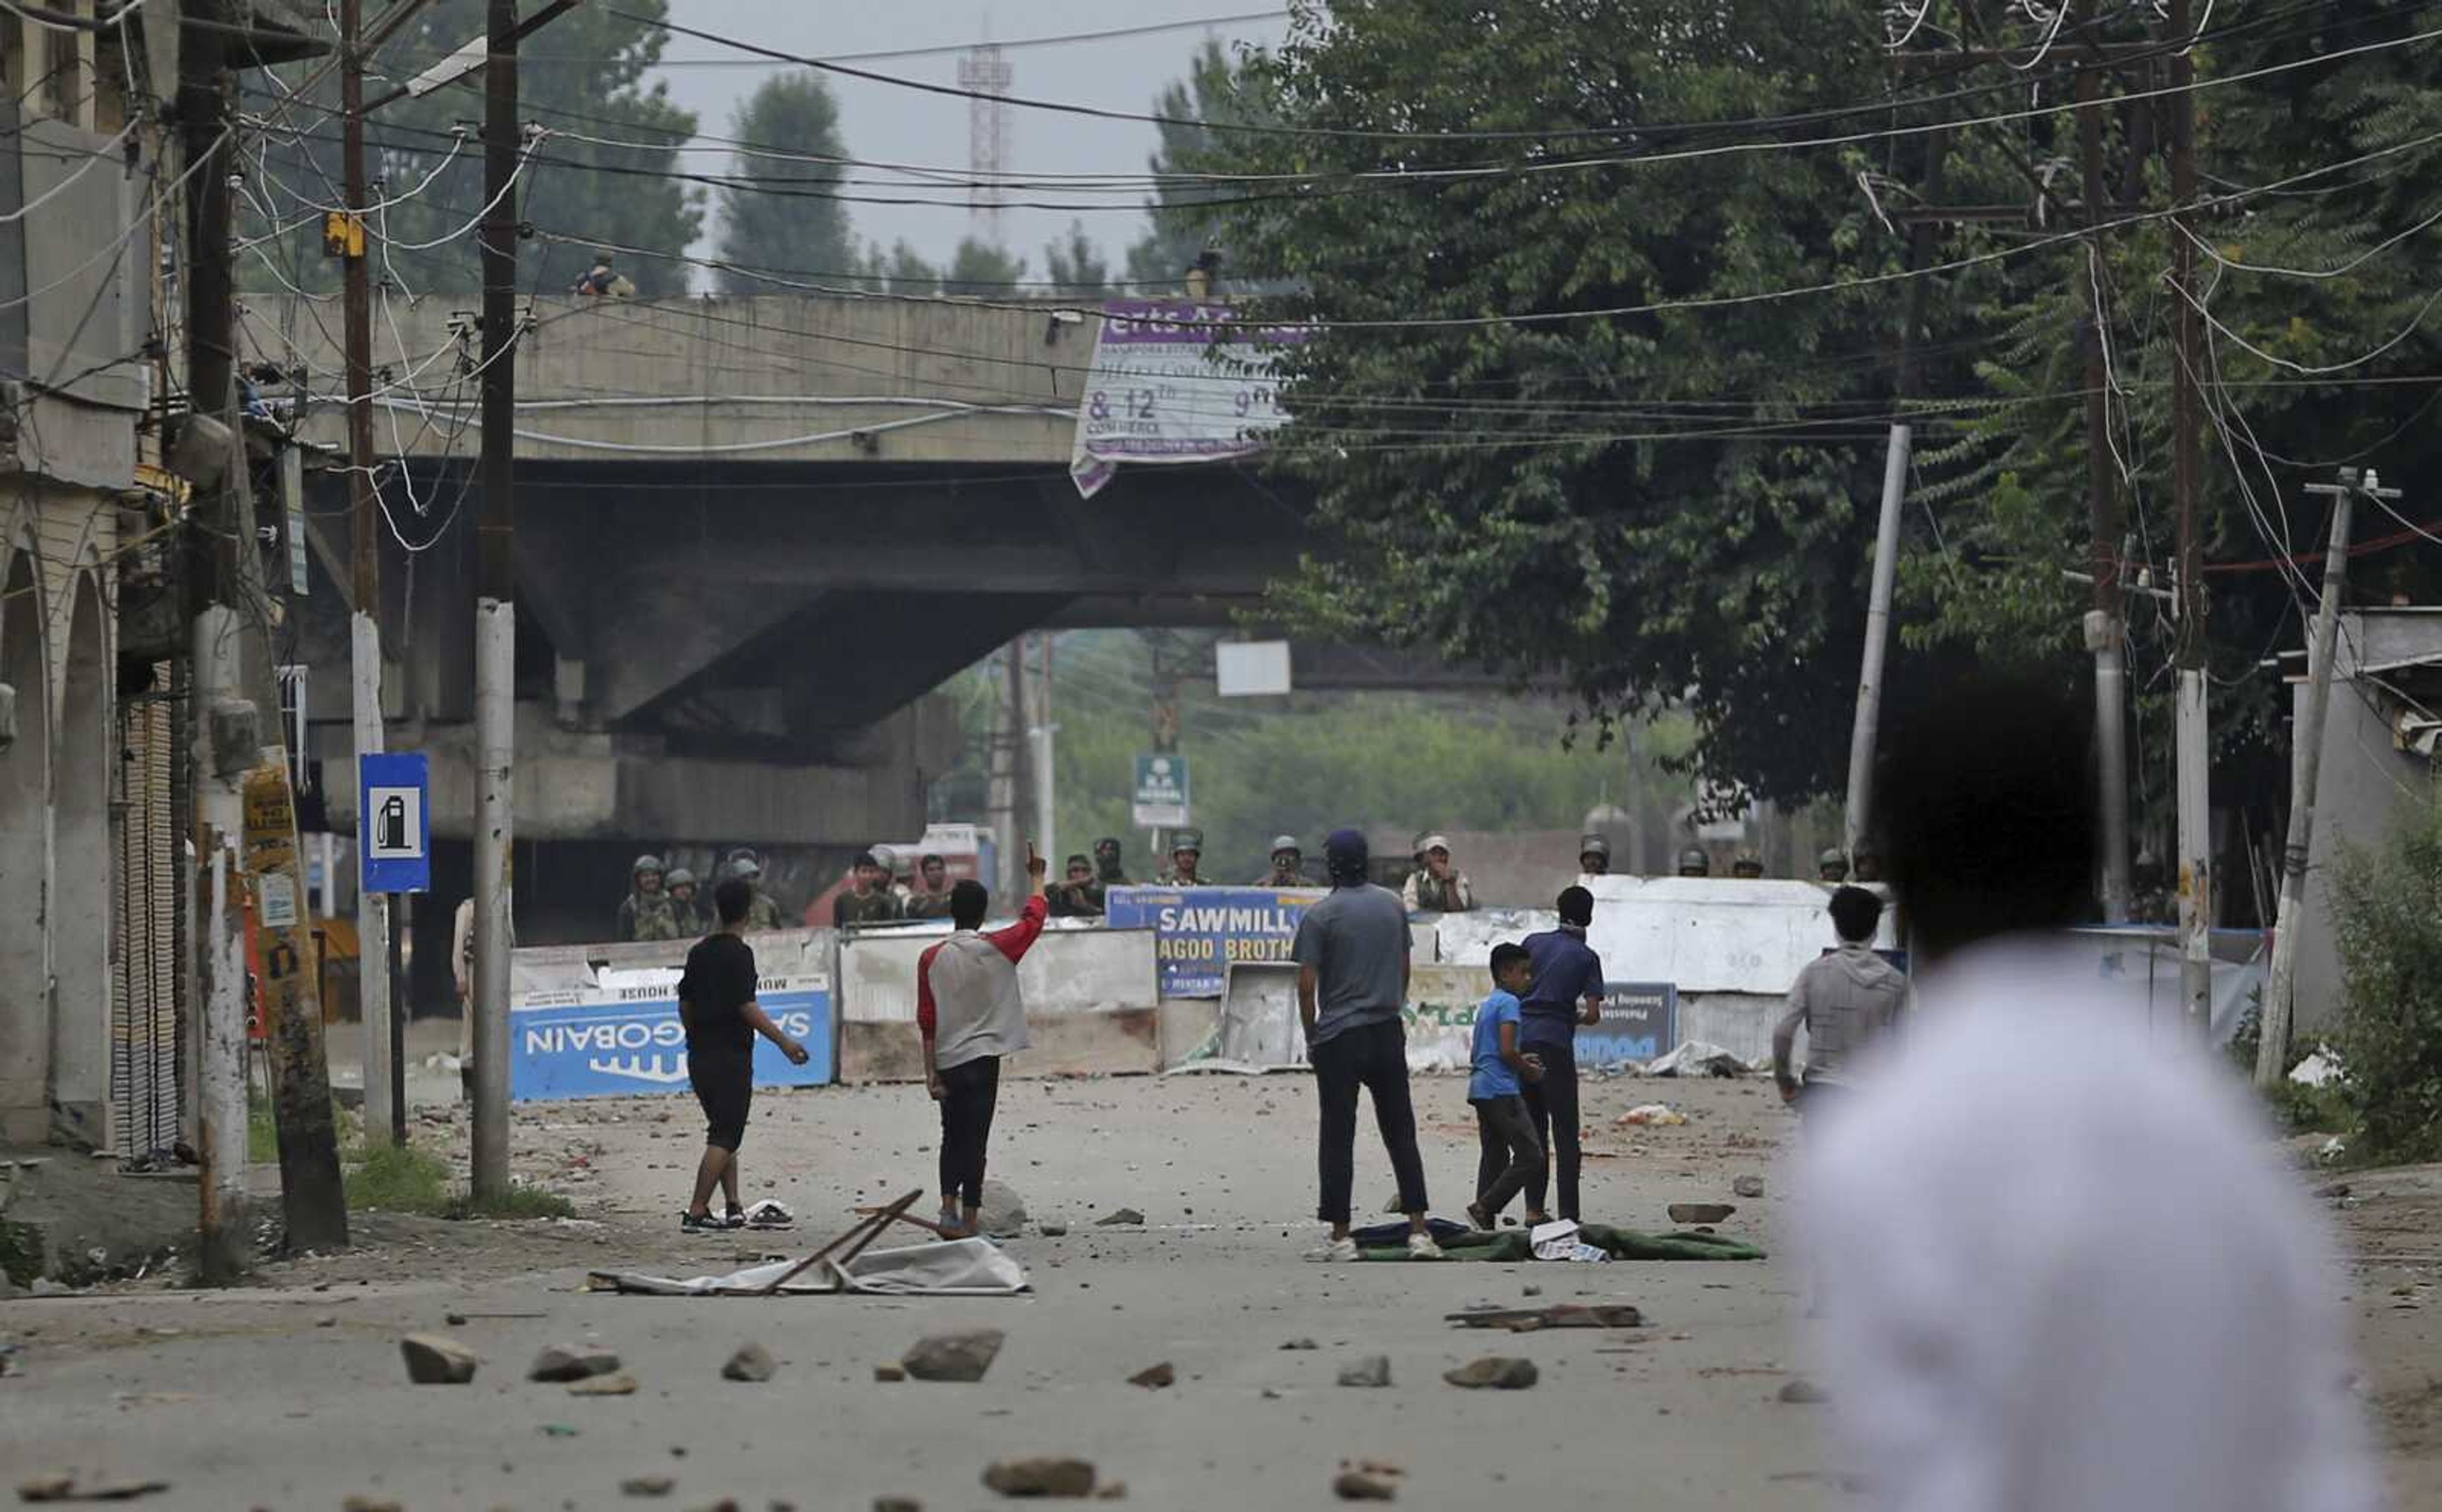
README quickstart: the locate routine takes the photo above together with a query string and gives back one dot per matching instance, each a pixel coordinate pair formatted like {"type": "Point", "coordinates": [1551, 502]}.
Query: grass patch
{"type": "Point", "coordinates": [402, 1178]}
{"type": "Point", "coordinates": [261, 1130]}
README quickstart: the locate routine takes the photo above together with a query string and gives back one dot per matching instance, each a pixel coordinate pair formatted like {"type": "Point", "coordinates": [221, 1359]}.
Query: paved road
{"type": "Point", "coordinates": [292, 1397]}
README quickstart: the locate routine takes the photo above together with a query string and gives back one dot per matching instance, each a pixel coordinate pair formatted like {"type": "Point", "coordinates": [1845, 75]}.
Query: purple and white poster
{"type": "Point", "coordinates": [1173, 381]}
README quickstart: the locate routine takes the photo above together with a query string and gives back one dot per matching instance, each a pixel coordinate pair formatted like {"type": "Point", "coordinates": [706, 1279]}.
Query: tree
{"type": "Point", "coordinates": [1076, 267]}
{"type": "Point", "coordinates": [900, 270]}
{"type": "Point", "coordinates": [587, 80]}
{"type": "Point", "coordinates": [1182, 231]}
{"type": "Point", "coordinates": [1669, 506]}
{"type": "Point", "coordinates": [981, 270]}
{"type": "Point", "coordinates": [782, 213]}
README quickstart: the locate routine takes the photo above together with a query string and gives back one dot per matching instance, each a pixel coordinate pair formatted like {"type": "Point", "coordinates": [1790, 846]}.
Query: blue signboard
{"type": "Point", "coordinates": [1640, 1021]}
{"type": "Point", "coordinates": [1199, 930]}
{"type": "Point", "coordinates": [627, 1046]}
{"type": "Point", "coordinates": [393, 823]}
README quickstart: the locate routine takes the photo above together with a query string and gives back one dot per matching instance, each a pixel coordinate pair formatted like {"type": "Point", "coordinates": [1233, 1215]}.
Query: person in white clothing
{"type": "Point", "coordinates": [2062, 1269]}
{"type": "Point", "coordinates": [970, 1012]}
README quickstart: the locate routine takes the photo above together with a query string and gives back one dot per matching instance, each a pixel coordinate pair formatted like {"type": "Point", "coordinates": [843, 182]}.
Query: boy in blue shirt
{"type": "Point", "coordinates": [1512, 1156]}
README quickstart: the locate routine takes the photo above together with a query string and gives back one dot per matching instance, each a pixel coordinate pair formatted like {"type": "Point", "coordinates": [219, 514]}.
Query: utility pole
{"type": "Point", "coordinates": [496, 646]}
{"type": "Point", "coordinates": [1047, 811]}
{"type": "Point", "coordinates": [2194, 748]}
{"type": "Point", "coordinates": [224, 1242]}
{"type": "Point", "coordinates": [2307, 770]}
{"type": "Point", "coordinates": [364, 623]}
{"type": "Point", "coordinates": [1000, 771]}
{"type": "Point", "coordinates": [1162, 651]}
{"type": "Point", "coordinates": [1012, 857]}
{"type": "Point", "coordinates": [2105, 632]}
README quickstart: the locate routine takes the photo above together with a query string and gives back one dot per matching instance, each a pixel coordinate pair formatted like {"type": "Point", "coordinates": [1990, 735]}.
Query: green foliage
{"type": "Point", "coordinates": [1076, 267]}
{"type": "Point", "coordinates": [783, 214]}
{"type": "Point", "coordinates": [403, 1178]}
{"type": "Point", "coordinates": [1181, 231]}
{"type": "Point", "coordinates": [577, 194]}
{"type": "Point", "coordinates": [2387, 913]}
{"type": "Point", "coordinates": [982, 270]}
{"type": "Point", "coordinates": [901, 270]}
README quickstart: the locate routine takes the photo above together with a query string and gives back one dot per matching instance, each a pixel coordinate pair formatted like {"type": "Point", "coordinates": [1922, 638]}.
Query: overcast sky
{"type": "Point", "coordinates": [900, 125]}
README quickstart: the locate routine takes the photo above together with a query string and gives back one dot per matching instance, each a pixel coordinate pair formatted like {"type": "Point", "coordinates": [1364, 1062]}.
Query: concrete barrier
{"type": "Point", "coordinates": [1090, 1003]}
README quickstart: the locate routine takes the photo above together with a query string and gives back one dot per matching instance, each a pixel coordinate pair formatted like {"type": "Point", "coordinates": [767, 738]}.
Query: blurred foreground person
{"type": "Point", "coordinates": [2062, 1269]}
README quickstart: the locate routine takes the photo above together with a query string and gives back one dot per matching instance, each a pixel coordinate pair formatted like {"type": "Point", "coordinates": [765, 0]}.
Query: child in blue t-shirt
{"type": "Point", "coordinates": [1512, 1156]}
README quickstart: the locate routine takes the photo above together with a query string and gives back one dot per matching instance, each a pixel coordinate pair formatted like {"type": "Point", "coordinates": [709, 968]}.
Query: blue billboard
{"type": "Point", "coordinates": [1639, 1023]}
{"type": "Point", "coordinates": [1198, 932]}
{"type": "Point", "coordinates": [625, 1047]}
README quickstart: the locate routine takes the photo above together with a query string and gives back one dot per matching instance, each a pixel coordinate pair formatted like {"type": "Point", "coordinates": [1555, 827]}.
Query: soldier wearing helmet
{"type": "Point", "coordinates": [1186, 853]}
{"type": "Point", "coordinates": [644, 913]}
{"type": "Point", "coordinates": [1693, 862]}
{"type": "Point", "coordinates": [1831, 866]}
{"type": "Point", "coordinates": [761, 911]}
{"type": "Point", "coordinates": [1288, 865]}
{"type": "Point", "coordinates": [1747, 867]}
{"type": "Point", "coordinates": [685, 919]}
{"type": "Point", "coordinates": [1437, 887]}
{"type": "Point", "coordinates": [1593, 856]}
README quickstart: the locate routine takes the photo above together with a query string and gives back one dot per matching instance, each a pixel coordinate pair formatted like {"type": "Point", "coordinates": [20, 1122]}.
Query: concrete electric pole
{"type": "Point", "coordinates": [2306, 769]}
{"type": "Point", "coordinates": [496, 646]}
{"type": "Point", "coordinates": [2193, 743]}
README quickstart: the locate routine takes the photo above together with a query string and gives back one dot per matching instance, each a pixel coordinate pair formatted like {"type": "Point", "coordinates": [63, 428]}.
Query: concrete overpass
{"type": "Point", "coordinates": [752, 536]}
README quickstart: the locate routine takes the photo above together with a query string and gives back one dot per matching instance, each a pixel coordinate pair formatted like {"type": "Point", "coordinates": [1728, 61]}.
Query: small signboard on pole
{"type": "Point", "coordinates": [394, 823]}
{"type": "Point", "coordinates": [1161, 791]}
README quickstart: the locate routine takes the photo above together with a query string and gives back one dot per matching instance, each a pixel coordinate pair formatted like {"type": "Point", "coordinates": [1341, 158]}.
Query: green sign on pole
{"type": "Point", "coordinates": [1161, 791]}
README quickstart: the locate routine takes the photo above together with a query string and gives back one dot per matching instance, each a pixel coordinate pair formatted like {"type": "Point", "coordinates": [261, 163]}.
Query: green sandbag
{"type": "Point", "coordinates": [1513, 1246]}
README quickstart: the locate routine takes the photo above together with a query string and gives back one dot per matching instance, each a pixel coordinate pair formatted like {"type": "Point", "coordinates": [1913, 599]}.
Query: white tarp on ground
{"type": "Point", "coordinates": [959, 1268]}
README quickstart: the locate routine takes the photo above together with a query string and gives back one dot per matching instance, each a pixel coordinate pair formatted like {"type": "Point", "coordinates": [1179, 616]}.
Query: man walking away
{"type": "Point", "coordinates": [1352, 957]}
{"type": "Point", "coordinates": [718, 1008]}
{"type": "Point", "coordinates": [1846, 999]}
{"type": "Point", "coordinates": [2067, 1267]}
{"type": "Point", "coordinates": [969, 1010]}
{"type": "Point", "coordinates": [1511, 1155]}
{"type": "Point", "coordinates": [930, 896]}
{"type": "Point", "coordinates": [1566, 991]}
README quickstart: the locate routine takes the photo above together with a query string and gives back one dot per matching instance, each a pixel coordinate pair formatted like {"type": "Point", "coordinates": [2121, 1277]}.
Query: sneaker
{"type": "Point", "coordinates": [1338, 1250]}
{"type": "Point", "coordinates": [734, 1218]}
{"type": "Point", "coordinates": [1481, 1219]}
{"type": "Point", "coordinates": [1421, 1247]}
{"type": "Point", "coordinates": [699, 1223]}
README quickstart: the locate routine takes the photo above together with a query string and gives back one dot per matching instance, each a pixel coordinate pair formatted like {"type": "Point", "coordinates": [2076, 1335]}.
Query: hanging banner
{"type": "Point", "coordinates": [1172, 381]}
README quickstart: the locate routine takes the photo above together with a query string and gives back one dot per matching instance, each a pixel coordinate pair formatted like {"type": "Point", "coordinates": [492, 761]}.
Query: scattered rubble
{"type": "Point", "coordinates": [1374, 1370]}
{"type": "Point", "coordinates": [954, 1356]}
{"type": "Point", "coordinates": [1003, 1213]}
{"type": "Point", "coordinates": [1041, 1476]}
{"type": "Point", "coordinates": [1360, 1486]}
{"type": "Point", "coordinates": [1498, 1371]}
{"type": "Point", "coordinates": [1052, 1230]}
{"type": "Point", "coordinates": [68, 1489]}
{"type": "Point", "coordinates": [571, 1362]}
{"type": "Point", "coordinates": [1701, 1213]}
{"type": "Point", "coordinates": [888, 1372]}
{"type": "Point", "coordinates": [372, 1503]}
{"type": "Point", "coordinates": [897, 1503]}
{"type": "Point", "coordinates": [1747, 1187]}
{"type": "Point", "coordinates": [751, 1362]}
{"type": "Point", "coordinates": [1560, 1315]}
{"type": "Point", "coordinates": [647, 1485]}
{"type": "Point", "coordinates": [1154, 1377]}
{"type": "Point", "coordinates": [618, 1383]}
{"type": "Point", "coordinates": [1123, 1218]}
{"type": "Point", "coordinates": [432, 1360]}
{"type": "Point", "coordinates": [1803, 1391]}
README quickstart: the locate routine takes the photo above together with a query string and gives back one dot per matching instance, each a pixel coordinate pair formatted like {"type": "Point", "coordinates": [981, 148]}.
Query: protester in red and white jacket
{"type": "Point", "coordinates": [970, 1014]}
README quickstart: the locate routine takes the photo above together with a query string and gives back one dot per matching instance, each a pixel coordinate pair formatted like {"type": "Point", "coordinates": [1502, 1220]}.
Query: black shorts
{"type": "Point", "coordinates": [724, 1084]}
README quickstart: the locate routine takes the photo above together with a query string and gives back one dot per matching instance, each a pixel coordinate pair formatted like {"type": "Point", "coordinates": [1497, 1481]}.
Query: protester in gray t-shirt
{"type": "Point", "coordinates": [1352, 956]}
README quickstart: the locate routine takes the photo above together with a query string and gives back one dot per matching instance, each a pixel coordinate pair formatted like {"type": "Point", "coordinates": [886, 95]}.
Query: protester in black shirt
{"type": "Point", "coordinates": [716, 1004]}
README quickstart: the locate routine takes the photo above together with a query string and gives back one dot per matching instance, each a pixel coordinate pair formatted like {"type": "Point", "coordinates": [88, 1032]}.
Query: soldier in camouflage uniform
{"type": "Point", "coordinates": [1747, 867]}
{"type": "Point", "coordinates": [762, 913]}
{"type": "Point", "coordinates": [1079, 897]}
{"type": "Point", "coordinates": [1693, 862]}
{"type": "Point", "coordinates": [679, 888]}
{"type": "Point", "coordinates": [1437, 887]}
{"type": "Point", "coordinates": [644, 913]}
{"type": "Point", "coordinates": [1831, 866]}
{"type": "Point", "coordinates": [872, 901]}
{"type": "Point", "coordinates": [1288, 865]}
{"type": "Point", "coordinates": [1186, 850]}
{"type": "Point", "coordinates": [1593, 856]}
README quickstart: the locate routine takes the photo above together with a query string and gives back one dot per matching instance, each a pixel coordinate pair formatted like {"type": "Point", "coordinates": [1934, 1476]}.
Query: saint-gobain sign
{"type": "Point", "coordinates": [1161, 800]}
{"type": "Point", "coordinates": [625, 1047]}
